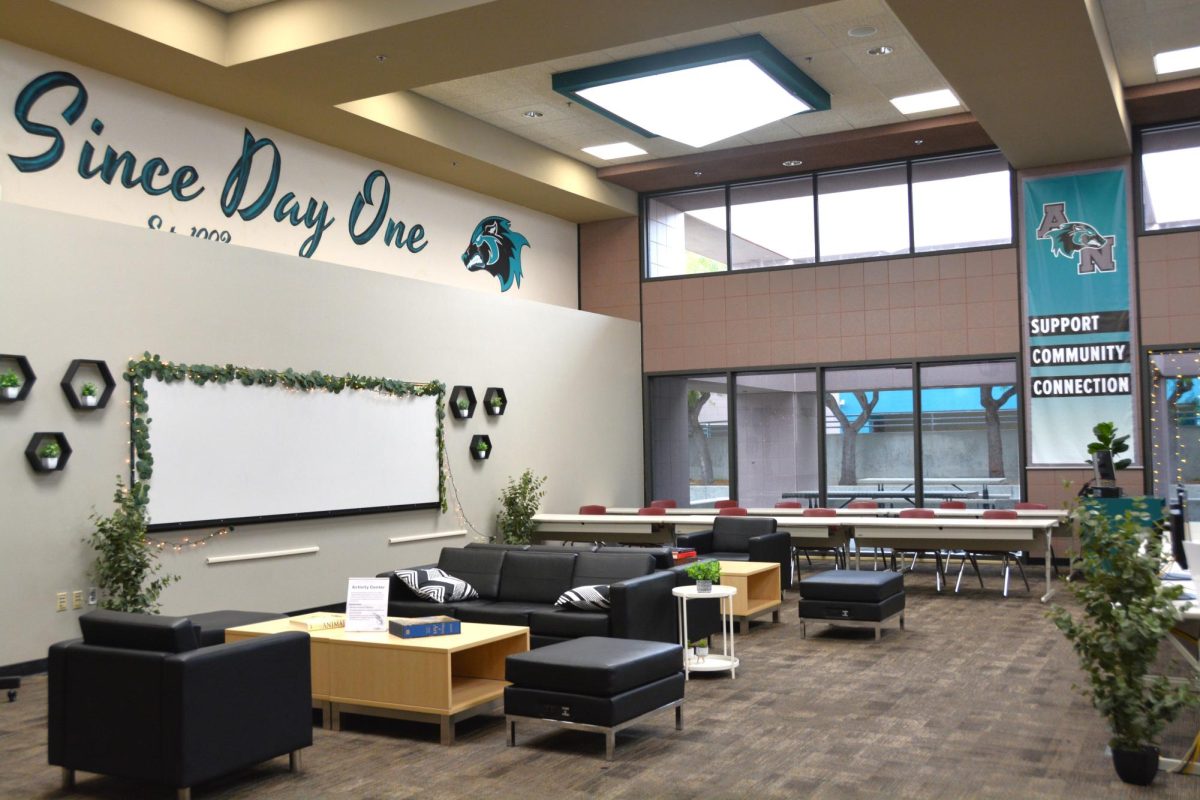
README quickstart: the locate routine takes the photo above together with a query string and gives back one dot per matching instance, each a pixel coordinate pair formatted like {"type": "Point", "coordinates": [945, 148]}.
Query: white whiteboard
{"type": "Point", "coordinates": [225, 453]}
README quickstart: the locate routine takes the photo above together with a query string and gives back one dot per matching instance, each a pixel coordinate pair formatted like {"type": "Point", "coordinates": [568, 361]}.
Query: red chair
{"type": "Point", "coordinates": [592, 510]}
{"type": "Point", "coordinates": [725, 504]}
{"type": "Point", "coordinates": [663, 504]}
{"type": "Point", "coordinates": [1031, 506]}
{"type": "Point", "coordinates": [651, 511]}
{"type": "Point", "coordinates": [787, 504]}
{"type": "Point", "coordinates": [862, 504]}
{"type": "Point", "coordinates": [957, 504]}
{"type": "Point", "coordinates": [1009, 557]}
{"type": "Point", "coordinates": [732, 511]}
{"type": "Point", "coordinates": [923, 513]}
{"type": "Point", "coordinates": [839, 557]}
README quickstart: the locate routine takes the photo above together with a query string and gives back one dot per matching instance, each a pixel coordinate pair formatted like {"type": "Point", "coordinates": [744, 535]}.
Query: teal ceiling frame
{"type": "Point", "coordinates": [754, 48]}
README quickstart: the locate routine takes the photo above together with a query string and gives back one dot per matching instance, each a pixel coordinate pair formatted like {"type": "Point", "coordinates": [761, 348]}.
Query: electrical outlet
{"type": "Point", "coordinates": [60, 601]}
{"type": "Point", "coordinates": [77, 598]}
{"type": "Point", "coordinates": [92, 596]}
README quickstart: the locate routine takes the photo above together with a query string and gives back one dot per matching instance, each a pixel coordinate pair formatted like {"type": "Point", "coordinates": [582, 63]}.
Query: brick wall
{"type": "Point", "coordinates": [610, 268]}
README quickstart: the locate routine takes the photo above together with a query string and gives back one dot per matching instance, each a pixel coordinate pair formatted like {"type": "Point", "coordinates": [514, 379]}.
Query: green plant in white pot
{"type": "Point", "coordinates": [88, 394]}
{"type": "Point", "coordinates": [463, 404]}
{"type": "Point", "coordinates": [1124, 612]}
{"type": "Point", "coordinates": [705, 573]}
{"type": "Point", "coordinates": [49, 452]}
{"type": "Point", "coordinates": [10, 384]}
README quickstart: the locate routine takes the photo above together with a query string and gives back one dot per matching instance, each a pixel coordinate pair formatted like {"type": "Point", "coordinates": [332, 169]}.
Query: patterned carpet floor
{"type": "Point", "coordinates": [973, 700]}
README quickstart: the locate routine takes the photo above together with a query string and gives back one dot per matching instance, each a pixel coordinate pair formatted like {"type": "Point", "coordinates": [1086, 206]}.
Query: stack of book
{"type": "Point", "coordinates": [683, 554]}
{"type": "Point", "coordinates": [417, 627]}
{"type": "Point", "coordinates": [318, 621]}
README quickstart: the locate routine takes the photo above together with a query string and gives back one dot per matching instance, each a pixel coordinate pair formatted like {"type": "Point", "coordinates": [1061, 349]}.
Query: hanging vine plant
{"type": "Point", "coordinates": [152, 366]}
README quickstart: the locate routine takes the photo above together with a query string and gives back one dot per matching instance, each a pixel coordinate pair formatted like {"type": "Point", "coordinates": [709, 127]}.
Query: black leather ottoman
{"type": "Point", "coordinates": [211, 625]}
{"type": "Point", "coordinates": [594, 683]}
{"type": "Point", "coordinates": [852, 598]}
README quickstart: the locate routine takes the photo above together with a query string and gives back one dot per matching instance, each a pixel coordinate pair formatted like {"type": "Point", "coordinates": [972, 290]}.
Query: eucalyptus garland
{"type": "Point", "coordinates": [151, 366]}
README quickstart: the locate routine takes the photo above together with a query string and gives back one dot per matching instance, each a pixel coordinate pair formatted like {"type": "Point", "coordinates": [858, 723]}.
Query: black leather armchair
{"type": "Point", "coordinates": [744, 539]}
{"type": "Point", "coordinates": [136, 698]}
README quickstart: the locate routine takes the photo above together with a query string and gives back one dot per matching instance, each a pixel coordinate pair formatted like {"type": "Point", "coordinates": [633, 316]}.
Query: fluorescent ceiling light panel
{"type": "Point", "coordinates": [926, 101]}
{"type": "Point", "coordinates": [697, 95]}
{"type": "Point", "coordinates": [615, 150]}
{"type": "Point", "coordinates": [1177, 60]}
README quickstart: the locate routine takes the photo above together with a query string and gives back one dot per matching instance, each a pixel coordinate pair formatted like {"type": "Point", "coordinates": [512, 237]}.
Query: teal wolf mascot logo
{"type": "Point", "coordinates": [496, 248]}
{"type": "Point", "coordinates": [1080, 242]}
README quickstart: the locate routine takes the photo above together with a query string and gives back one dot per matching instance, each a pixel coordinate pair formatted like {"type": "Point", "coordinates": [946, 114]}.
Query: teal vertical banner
{"type": "Point", "coordinates": [1078, 328]}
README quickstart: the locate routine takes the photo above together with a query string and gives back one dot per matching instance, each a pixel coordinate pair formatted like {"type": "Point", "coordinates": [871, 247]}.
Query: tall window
{"type": "Point", "coordinates": [868, 433]}
{"type": "Point", "coordinates": [969, 433]}
{"type": "Point", "coordinates": [961, 202]}
{"type": "Point", "coordinates": [685, 233]}
{"type": "Point", "coordinates": [773, 224]}
{"type": "Point", "coordinates": [689, 439]}
{"type": "Point", "coordinates": [863, 213]}
{"type": "Point", "coordinates": [1170, 166]}
{"type": "Point", "coordinates": [1175, 424]}
{"type": "Point", "coordinates": [777, 416]}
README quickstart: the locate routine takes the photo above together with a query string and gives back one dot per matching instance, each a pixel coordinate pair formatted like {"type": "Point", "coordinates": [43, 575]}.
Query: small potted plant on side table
{"type": "Point", "coordinates": [87, 394]}
{"type": "Point", "coordinates": [10, 384]}
{"type": "Point", "coordinates": [700, 647]}
{"type": "Point", "coordinates": [705, 573]}
{"type": "Point", "coordinates": [48, 452]}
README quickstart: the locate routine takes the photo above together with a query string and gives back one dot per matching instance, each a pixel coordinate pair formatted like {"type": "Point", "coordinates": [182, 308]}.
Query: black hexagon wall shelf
{"type": "Point", "coordinates": [19, 364]}
{"type": "Point", "coordinates": [495, 401]}
{"type": "Point", "coordinates": [462, 402]}
{"type": "Point", "coordinates": [481, 447]}
{"type": "Point", "coordinates": [80, 402]}
{"type": "Point", "coordinates": [44, 464]}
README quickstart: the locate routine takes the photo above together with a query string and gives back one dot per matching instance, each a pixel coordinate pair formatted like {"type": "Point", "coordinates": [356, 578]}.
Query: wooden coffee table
{"type": "Point", "coordinates": [757, 584]}
{"type": "Point", "coordinates": [440, 679]}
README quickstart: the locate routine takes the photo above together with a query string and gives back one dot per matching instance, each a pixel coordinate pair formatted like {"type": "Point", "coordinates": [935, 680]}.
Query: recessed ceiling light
{"type": "Point", "coordinates": [792, 163]}
{"type": "Point", "coordinates": [533, 114]}
{"type": "Point", "coordinates": [381, 58]}
{"type": "Point", "coordinates": [882, 50]}
{"type": "Point", "coordinates": [925, 101]}
{"type": "Point", "coordinates": [615, 150]}
{"type": "Point", "coordinates": [697, 95]}
{"type": "Point", "coordinates": [918, 141]}
{"type": "Point", "coordinates": [862, 31]}
{"type": "Point", "coordinates": [698, 172]}
{"type": "Point", "coordinates": [1177, 60]}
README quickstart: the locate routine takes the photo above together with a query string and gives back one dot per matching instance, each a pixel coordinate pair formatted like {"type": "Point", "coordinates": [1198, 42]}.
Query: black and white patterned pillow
{"type": "Point", "coordinates": [436, 585]}
{"type": "Point", "coordinates": [585, 598]}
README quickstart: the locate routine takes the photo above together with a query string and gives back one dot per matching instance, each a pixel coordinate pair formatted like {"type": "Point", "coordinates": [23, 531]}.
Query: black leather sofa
{"type": "Point", "coordinates": [743, 539]}
{"type": "Point", "coordinates": [137, 698]}
{"type": "Point", "coordinates": [518, 585]}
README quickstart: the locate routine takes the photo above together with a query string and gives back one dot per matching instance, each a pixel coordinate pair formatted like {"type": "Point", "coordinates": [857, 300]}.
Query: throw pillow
{"type": "Point", "coordinates": [436, 585]}
{"type": "Point", "coordinates": [585, 598]}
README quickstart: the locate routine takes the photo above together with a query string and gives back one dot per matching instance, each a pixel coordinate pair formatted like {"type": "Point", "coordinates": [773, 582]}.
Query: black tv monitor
{"type": "Point", "coordinates": [1175, 521]}
{"type": "Point", "coordinates": [1102, 465]}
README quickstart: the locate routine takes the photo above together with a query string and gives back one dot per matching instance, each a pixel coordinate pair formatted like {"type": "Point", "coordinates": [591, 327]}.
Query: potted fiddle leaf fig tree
{"type": "Point", "coordinates": [705, 573]}
{"type": "Point", "coordinates": [1107, 439]}
{"type": "Point", "coordinates": [10, 384]}
{"type": "Point", "coordinates": [1124, 611]}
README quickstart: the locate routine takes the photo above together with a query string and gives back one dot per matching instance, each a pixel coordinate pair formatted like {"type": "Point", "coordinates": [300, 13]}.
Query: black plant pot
{"type": "Point", "coordinates": [1136, 766]}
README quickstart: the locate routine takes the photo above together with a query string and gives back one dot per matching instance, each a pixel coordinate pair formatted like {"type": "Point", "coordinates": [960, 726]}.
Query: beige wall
{"type": "Point", "coordinates": [78, 288]}
{"type": "Point", "coordinates": [1169, 288]}
{"type": "Point", "coordinates": [610, 268]}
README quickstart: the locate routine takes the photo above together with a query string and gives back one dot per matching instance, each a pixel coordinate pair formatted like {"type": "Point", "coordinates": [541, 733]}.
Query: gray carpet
{"type": "Point", "coordinates": [974, 700]}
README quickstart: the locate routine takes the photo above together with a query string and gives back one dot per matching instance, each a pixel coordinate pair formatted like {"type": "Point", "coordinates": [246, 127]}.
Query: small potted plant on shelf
{"type": "Point", "coordinates": [88, 395]}
{"type": "Point", "coordinates": [10, 384]}
{"type": "Point", "coordinates": [705, 573]}
{"type": "Point", "coordinates": [463, 406]}
{"type": "Point", "coordinates": [1124, 612]}
{"type": "Point", "coordinates": [700, 647]}
{"type": "Point", "coordinates": [481, 449]}
{"type": "Point", "coordinates": [497, 403]}
{"type": "Point", "coordinates": [49, 451]}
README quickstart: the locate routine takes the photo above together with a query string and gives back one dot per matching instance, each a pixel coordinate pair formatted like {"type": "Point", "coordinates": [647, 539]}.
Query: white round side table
{"type": "Point", "coordinates": [727, 660]}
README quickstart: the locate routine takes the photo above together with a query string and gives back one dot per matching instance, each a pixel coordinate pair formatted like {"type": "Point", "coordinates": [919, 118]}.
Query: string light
{"type": "Point", "coordinates": [187, 542]}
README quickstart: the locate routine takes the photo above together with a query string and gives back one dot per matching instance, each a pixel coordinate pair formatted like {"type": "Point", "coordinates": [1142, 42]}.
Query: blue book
{"type": "Point", "coordinates": [418, 627]}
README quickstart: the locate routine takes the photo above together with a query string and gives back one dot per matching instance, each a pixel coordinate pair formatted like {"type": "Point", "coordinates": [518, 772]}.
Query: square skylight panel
{"type": "Point", "coordinates": [697, 95]}
{"type": "Point", "coordinates": [1177, 60]}
{"type": "Point", "coordinates": [925, 101]}
{"type": "Point", "coordinates": [608, 152]}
